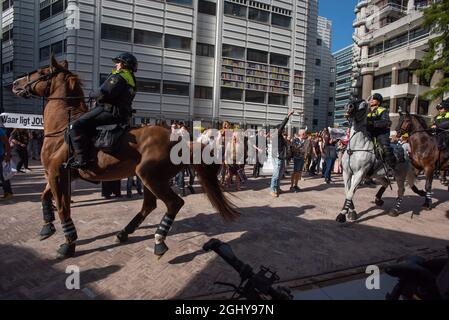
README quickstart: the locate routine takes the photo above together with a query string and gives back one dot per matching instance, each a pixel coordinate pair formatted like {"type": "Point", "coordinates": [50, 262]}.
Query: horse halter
{"type": "Point", "coordinates": [31, 84]}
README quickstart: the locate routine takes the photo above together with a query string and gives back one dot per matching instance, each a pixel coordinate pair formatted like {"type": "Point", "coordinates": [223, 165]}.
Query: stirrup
{"type": "Point", "coordinates": [69, 162]}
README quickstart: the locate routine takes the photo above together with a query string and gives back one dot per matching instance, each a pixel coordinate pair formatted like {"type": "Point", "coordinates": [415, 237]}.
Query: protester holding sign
{"type": "Point", "coordinates": [5, 155]}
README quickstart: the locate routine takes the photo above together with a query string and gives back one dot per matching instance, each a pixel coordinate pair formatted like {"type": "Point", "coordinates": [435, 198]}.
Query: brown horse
{"type": "Point", "coordinates": [424, 154]}
{"type": "Point", "coordinates": [144, 151]}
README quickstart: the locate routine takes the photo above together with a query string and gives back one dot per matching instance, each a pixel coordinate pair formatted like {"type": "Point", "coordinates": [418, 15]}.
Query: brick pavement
{"type": "Point", "coordinates": [296, 234]}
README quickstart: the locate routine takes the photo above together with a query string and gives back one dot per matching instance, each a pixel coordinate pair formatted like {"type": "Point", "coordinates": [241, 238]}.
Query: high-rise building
{"type": "Point", "coordinates": [343, 82]}
{"type": "Point", "coordinates": [390, 42]}
{"type": "Point", "coordinates": [239, 60]}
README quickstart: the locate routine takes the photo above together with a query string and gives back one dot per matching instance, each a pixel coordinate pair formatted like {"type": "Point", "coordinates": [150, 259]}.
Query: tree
{"type": "Point", "coordinates": [436, 18]}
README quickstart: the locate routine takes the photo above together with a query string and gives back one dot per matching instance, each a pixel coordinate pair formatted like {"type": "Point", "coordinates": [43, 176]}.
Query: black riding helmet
{"type": "Point", "coordinates": [378, 97]}
{"type": "Point", "coordinates": [444, 104]}
{"type": "Point", "coordinates": [128, 60]}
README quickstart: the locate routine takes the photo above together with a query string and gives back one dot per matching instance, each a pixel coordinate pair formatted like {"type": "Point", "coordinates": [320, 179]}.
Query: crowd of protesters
{"type": "Point", "coordinates": [312, 153]}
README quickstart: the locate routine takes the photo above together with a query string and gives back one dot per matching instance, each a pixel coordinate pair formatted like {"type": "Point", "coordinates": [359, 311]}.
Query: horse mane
{"type": "Point", "coordinates": [75, 87]}
{"type": "Point", "coordinates": [420, 120]}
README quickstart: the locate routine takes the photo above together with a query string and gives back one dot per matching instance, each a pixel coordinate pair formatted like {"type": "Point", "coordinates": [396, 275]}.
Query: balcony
{"type": "Point", "coordinates": [359, 22]}
{"type": "Point", "coordinates": [362, 3]}
{"type": "Point", "coordinates": [402, 90]}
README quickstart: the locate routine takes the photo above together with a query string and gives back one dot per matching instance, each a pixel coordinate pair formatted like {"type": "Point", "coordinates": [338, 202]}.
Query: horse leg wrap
{"type": "Point", "coordinates": [163, 229]}
{"type": "Point", "coordinates": [380, 193]}
{"type": "Point", "coordinates": [69, 231]}
{"type": "Point", "coordinates": [418, 192]}
{"type": "Point", "coordinates": [398, 203]}
{"type": "Point", "coordinates": [348, 205]}
{"type": "Point", "coordinates": [428, 196]}
{"type": "Point", "coordinates": [47, 210]}
{"type": "Point", "coordinates": [135, 222]}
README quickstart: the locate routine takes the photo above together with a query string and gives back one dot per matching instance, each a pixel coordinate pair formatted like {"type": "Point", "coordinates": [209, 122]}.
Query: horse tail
{"type": "Point", "coordinates": [211, 186]}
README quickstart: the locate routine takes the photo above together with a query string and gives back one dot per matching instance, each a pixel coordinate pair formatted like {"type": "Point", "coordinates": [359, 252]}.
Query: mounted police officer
{"type": "Point", "coordinates": [441, 124]}
{"type": "Point", "coordinates": [114, 99]}
{"type": "Point", "coordinates": [378, 126]}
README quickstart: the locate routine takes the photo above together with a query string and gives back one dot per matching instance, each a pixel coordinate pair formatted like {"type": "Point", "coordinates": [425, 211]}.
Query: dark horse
{"type": "Point", "coordinates": [424, 153]}
{"type": "Point", "coordinates": [144, 151]}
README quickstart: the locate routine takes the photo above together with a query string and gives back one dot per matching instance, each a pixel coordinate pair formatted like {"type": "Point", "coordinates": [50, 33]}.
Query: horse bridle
{"type": "Point", "coordinates": [45, 77]}
{"type": "Point", "coordinates": [406, 130]}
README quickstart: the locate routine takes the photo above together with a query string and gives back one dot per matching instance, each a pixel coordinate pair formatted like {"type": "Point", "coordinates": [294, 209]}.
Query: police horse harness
{"type": "Point", "coordinates": [143, 151]}
{"type": "Point", "coordinates": [360, 162]}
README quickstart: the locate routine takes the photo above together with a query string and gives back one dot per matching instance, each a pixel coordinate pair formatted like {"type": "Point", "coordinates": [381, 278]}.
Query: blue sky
{"type": "Point", "coordinates": [341, 12]}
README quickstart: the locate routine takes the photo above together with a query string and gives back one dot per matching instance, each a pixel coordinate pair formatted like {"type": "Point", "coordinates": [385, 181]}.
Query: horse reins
{"type": "Point", "coordinates": [48, 77]}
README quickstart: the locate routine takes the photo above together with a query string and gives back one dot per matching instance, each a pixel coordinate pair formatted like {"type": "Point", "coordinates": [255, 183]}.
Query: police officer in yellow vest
{"type": "Point", "coordinates": [378, 125]}
{"type": "Point", "coordinates": [441, 124]}
{"type": "Point", "coordinates": [114, 99]}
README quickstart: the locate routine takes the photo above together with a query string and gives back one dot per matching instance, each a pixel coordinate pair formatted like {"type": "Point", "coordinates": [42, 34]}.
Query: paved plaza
{"type": "Point", "coordinates": [296, 234]}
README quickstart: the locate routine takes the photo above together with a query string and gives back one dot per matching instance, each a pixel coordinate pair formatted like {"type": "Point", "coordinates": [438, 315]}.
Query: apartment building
{"type": "Point", "coordinates": [390, 42]}
{"type": "Point", "coordinates": [343, 82]}
{"type": "Point", "coordinates": [212, 60]}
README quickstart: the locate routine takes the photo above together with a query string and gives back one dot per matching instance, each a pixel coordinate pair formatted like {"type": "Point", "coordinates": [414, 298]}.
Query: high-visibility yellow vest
{"type": "Point", "coordinates": [127, 75]}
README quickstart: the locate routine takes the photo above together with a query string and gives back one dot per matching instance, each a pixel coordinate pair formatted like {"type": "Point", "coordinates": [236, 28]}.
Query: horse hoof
{"type": "Point", "coordinates": [341, 218]}
{"type": "Point", "coordinates": [379, 202]}
{"type": "Point", "coordinates": [121, 237]}
{"type": "Point", "coordinates": [352, 216]}
{"type": "Point", "coordinates": [427, 206]}
{"type": "Point", "coordinates": [66, 250]}
{"type": "Point", "coordinates": [160, 249]}
{"type": "Point", "coordinates": [47, 231]}
{"type": "Point", "coordinates": [393, 213]}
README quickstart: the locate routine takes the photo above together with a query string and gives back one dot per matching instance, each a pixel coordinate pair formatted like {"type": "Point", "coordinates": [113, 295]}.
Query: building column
{"type": "Point", "coordinates": [393, 105]}
{"type": "Point", "coordinates": [394, 75]}
{"type": "Point", "coordinates": [367, 87]}
{"type": "Point", "coordinates": [414, 105]}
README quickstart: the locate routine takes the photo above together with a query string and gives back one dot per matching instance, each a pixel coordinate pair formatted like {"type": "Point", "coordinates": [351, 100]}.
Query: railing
{"type": "Point", "coordinates": [399, 45]}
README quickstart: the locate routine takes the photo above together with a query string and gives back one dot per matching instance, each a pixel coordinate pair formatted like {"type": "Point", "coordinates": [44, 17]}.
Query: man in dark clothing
{"type": "Point", "coordinates": [279, 157]}
{"type": "Point", "coordinates": [5, 155]}
{"type": "Point", "coordinates": [379, 127]}
{"type": "Point", "coordinates": [114, 100]}
{"type": "Point", "coordinates": [441, 124]}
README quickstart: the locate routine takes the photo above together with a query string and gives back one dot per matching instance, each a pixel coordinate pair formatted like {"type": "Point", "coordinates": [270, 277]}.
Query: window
{"type": "Point", "coordinates": [257, 56]}
{"type": "Point", "coordinates": [57, 48]}
{"type": "Point", "coordinates": [317, 82]}
{"type": "Point", "coordinates": [148, 85]}
{"type": "Point", "coordinates": [331, 99]}
{"type": "Point", "coordinates": [331, 84]}
{"type": "Point", "coordinates": [315, 122]}
{"type": "Point", "coordinates": [229, 51]}
{"type": "Point", "coordinates": [44, 53]}
{"type": "Point", "coordinates": [176, 88]}
{"type": "Point", "coordinates": [279, 59]}
{"type": "Point", "coordinates": [205, 50]}
{"type": "Point", "coordinates": [382, 81]}
{"type": "Point", "coordinates": [176, 42]}
{"type": "Point", "coordinates": [423, 107]}
{"type": "Point", "coordinates": [203, 92]}
{"type": "Point", "coordinates": [7, 67]}
{"type": "Point", "coordinates": [231, 94]}
{"type": "Point", "coordinates": [405, 76]}
{"type": "Point", "coordinates": [148, 38]}
{"type": "Point", "coordinates": [7, 4]}
{"type": "Point", "coordinates": [118, 33]}
{"type": "Point", "coordinates": [424, 82]}
{"type": "Point", "coordinates": [280, 20]}
{"type": "Point", "coordinates": [181, 2]}
{"type": "Point", "coordinates": [258, 15]}
{"type": "Point", "coordinates": [332, 70]}
{"type": "Point", "coordinates": [45, 13]}
{"type": "Point", "coordinates": [319, 42]}
{"type": "Point", "coordinates": [277, 99]}
{"type": "Point", "coordinates": [254, 96]}
{"type": "Point", "coordinates": [207, 7]}
{"type": "Point", "coordinates": [404, 104]}
{"type": "Point", "coordinates": [316, 102]}
{"type": "Point", "coordinates": [318, 62]}
{"type": "Point", "coordinates": [235, 10]}
{"type": "Point", "coordinates": [57, 7]}
{"type": "Point", "coordinates": [8, 35]}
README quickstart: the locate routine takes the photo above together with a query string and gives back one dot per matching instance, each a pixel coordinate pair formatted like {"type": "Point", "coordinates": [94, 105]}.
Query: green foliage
{"type": "Point", "coordinates": [436, 18]}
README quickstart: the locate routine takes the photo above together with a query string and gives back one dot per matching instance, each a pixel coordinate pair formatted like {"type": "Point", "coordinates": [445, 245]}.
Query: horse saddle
{"type": "Point", "coordinates": [108, 136]}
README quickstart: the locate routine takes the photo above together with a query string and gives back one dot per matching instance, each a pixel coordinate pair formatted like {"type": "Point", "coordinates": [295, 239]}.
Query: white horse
{"type": "Point", "coordinates": [359, 162]}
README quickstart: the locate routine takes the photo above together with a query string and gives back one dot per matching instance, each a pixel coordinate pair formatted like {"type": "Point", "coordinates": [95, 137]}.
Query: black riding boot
{"type": "Point", "coordinates": [389, 157]}
{"type": "Point", "coordinates": [80, 151]}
